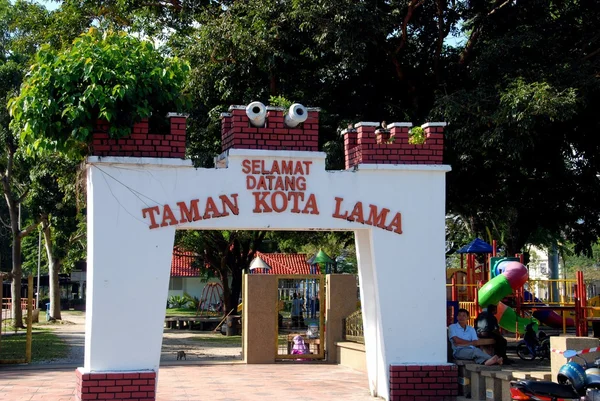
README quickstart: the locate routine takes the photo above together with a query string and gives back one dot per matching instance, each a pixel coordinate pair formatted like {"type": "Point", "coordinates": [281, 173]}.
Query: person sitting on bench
{"type": "Point", "coordinates": [464, 340]}
{"type": "Point", "coordinates": [486, 325]}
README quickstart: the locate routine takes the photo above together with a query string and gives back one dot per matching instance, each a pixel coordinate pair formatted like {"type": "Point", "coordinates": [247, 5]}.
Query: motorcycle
{"type": "Point", "coordinates": [533, 345]}
{"type": "Point", "coordinates": [575, 382]}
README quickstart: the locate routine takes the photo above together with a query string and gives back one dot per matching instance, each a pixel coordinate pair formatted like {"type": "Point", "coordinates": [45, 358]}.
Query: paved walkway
{"type": "Point", "coordinates": [216, 382]}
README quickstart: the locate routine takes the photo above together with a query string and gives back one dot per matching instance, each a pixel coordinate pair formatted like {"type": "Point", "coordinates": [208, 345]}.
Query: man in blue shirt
{"type": "Point", "coordinates": [464, 342]}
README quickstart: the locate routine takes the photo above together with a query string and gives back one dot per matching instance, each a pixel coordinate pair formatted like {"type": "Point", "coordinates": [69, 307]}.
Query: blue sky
{"type": "Point", "coordinates": [50, 5]}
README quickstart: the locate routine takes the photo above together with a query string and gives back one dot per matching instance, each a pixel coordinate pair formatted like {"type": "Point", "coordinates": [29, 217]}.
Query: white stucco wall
{"type": "Point", "coordinates": [402, 276]}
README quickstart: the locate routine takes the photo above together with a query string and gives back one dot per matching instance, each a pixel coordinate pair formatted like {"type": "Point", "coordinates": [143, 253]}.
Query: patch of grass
{"type": "Point", "coordinates": [219, 339]}
{"type": "Point", "coordinates": [71, 312]}
{"type": "Point", "coordinates": [180, 312]}
{"type": "Point", "coordinates": [45, 346]}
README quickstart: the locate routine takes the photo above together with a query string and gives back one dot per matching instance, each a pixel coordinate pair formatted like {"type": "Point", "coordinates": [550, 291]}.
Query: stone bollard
{"type": "Point", "coordinates": [563, 343]}
{"type": "Point", "coordinates": [478, 381]}
{"type": "Point", "coordinates": [504, 378]}
{"type": "Point", "coordinates": [493, 386]}
{"type": "Point", "coordinates": [464, 380]}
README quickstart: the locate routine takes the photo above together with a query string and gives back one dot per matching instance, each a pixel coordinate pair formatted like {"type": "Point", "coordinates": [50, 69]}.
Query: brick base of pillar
{"type": "Point", "coordinates": [423, 382]}
{"type": "Point", "coordinates": [126, 385]}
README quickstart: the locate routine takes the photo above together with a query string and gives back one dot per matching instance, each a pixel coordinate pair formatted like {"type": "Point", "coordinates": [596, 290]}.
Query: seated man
{"type": "Point", "coordinates": [464, 342]}
{"type": "Point", "coordinates": [486, 325]}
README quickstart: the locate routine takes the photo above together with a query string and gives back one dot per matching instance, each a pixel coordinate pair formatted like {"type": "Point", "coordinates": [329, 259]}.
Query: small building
{"type": "Point", "coordinates": [188, 275]}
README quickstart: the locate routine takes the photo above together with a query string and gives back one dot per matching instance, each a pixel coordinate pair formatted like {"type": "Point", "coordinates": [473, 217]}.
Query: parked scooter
{"type": "Point", "coordinates": [533, 345]}
{"type": "Point", "coordinates": [575, 382]}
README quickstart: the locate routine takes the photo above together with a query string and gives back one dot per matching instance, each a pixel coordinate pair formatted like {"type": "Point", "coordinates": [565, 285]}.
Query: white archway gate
{"type": "Point", "coordinates": [268, 178]}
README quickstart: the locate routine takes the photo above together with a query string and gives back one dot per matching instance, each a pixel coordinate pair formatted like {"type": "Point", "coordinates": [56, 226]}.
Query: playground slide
{"type": "Point", "coordinates": [547, 316]}
{"type": "Point", "coordinates": [513, 277]}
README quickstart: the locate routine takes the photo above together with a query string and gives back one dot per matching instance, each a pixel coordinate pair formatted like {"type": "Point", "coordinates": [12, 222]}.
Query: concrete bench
{"type": "Point", "coordinates": [497, 382]}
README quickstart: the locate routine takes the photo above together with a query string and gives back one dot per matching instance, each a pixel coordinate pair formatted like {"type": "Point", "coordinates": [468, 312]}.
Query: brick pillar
{"type": "Point", "coordinates": [399, 131]}
{"type": "Point", "coordinates": [350, 148]}
{"type": "Point", "coordinates": [131, 385]}
{"type": "Point", "coordinates": [365, 138]}
{"type": "Point", "coordinates": [175, 144]}
{"type": "Point", "coordinates": [226, 131]}
{"type": "Point", "coordinates": [423, 382]}
{"type": "Point", "coordinates": [434, 138]}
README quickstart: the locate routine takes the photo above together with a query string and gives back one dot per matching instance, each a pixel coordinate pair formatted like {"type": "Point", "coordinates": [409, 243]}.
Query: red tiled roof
{"type": "Point", "coordinates": [182, 262]}
{"type": "Point", "coordinates": [285, 263]}
{"type": "Point", "coordinates": [281, 263]}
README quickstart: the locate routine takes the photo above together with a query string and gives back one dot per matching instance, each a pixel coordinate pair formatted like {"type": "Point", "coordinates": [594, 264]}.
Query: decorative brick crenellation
{"type": "Point", "coordinates": [131, 386]}
{"type": "Point", "coordinates": [365, 144]}
{"type": "Point", "coordinates": [238, 133]}
{"type": "Point", "coordinates": [141, 143]}
{"type": "Point", "coordinates": [423, 382]}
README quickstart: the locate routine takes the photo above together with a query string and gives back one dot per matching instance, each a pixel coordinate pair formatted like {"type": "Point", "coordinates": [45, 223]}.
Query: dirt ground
{"type": "Point", "coordinates": [198, 346]}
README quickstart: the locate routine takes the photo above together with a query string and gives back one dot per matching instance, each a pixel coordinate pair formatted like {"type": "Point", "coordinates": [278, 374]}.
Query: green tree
{"type": "Point", "coordinates": [110, 76]}
{"type": "Point", "coordinates": [113, 77]}
{"type": "Point", "coordinates": [356, 60]}
{"type": "Point", "coordinates": [19, 36]}
{"type": "Point", "coordinates": [338, 245]}
{"type": "Point", "coordinates": [590, 266]}
{"type": "Point", "coordinates": [522, 119]}
{"type": "Point", "coordinates": [54, 194]}
{"type": "Point", "coordinates": [226, 253]}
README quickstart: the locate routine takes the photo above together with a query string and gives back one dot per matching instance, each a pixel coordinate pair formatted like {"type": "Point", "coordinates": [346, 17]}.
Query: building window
{"type": "Point", "coordinates": [176, 284]}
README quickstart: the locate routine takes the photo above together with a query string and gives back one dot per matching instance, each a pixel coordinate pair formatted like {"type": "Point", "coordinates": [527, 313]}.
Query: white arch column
{"type": "Point", "coordinates": [128, 273]}
{"type": "Point", "coordinates": [402, 284]}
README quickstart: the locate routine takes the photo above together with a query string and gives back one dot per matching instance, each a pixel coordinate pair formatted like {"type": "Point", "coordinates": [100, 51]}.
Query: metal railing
{"type": "Point", "coordinates": [353, 327]}
{"type": "Point", "coordinates": [552, 292]}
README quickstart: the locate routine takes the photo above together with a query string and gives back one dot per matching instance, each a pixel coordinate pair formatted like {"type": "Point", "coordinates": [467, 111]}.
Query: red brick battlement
{"type": "Point", "coordinates": [141, 143]}
{"type": "Point", "coordinates": [237, 132]}
{"type": "Point", "coordinates": [365, 144]}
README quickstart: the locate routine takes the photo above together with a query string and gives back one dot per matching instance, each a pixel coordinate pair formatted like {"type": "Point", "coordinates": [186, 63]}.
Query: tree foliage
{"type": "Point", "coordinates": [111, 76]}
{"type": "Point", "coordinates": [521, 137]}
{"type": "Point", "coordinates": [18, 40]}
{"type": "Point", "coordinates": [516, 80]}
{"type": "Point", "coordinates": [226, 253]}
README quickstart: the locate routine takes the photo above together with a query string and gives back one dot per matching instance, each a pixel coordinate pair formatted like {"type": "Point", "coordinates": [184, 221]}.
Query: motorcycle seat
{"type": "Point", "coordinates": [551, 389]}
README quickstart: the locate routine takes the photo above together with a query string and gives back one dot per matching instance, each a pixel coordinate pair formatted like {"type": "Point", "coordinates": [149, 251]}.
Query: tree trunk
{"type": "Point", "coordinates": [236, 289]}
{"type": "Point", "coordinates": [17, 312]}
{"type": "Point", "coordinates": [226, 290]}
{"type": "Point", "coordinates": [15, 228]}
{"type": "Point", "coordinates": [53, 271]}
{"type": "Point", "coordinates": [229, 304]}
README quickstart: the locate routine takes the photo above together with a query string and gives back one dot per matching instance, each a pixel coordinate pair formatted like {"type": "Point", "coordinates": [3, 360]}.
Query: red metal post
{"type": "Point", "coordinates": [577, 312]}
{"type": "Point", "coordinates": [494, 247]}
{"type": "Point", "coordinates": [583, 303]}
{"type": "Point", "coordinates": [454, 288]}
{"type": "Point", "coordinates": [477, 308]}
